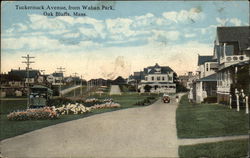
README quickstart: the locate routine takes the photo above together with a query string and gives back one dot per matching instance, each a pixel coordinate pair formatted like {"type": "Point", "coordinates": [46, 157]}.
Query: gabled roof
{"type": "Point", "coordinates": [238, 34]}
{"type": "Point", "coordinates": [152, 69]}
{"type": "Point", "coordinates": [57, 74]}
{"type": "Point", "coordinates": [212, 77]}
{"type": "Point", "coordinates": [23, 73]}
{"type": "Point", "coordinates": [205, 58]}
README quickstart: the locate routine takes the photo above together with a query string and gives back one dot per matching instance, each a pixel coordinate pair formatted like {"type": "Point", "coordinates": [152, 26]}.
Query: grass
{"type": "Point", "coordinates": [209, 120]}
{"type": "Point", "coordinates": [8, 106]}
{"type": "Point", "coordinates": [14, 128]}
{"type": "Point", "coordinates": [225, 149]}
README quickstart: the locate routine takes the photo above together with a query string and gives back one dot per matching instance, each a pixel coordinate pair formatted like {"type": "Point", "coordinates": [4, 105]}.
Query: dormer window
{"type": "Point", "coordinates": [157, 70]}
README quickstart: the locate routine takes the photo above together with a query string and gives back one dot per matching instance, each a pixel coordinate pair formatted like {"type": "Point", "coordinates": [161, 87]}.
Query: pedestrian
{"type": "Point", "coordinates": [190, 95]}
{"type": "Point", "coordinates": [177, 98]}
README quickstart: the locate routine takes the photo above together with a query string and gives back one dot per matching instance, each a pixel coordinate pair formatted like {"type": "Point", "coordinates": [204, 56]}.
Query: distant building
{"type": "Point", "coordinates": [156, 79]}
{"type": "Point", "coordinates": [55, 79]}
{"type": "Point", "coordinates": [22, 73]}
{"type": "Point", "coordinates": [186, 80]}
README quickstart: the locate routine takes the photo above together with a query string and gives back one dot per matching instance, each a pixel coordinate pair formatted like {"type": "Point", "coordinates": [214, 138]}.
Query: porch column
{"type": "Point", "coordinates": [201, 93]}
{"type": "Point", "coordinates": [247, 110]}
{"type": "Point", "coordinates": [224, 51]}
{"type": "Point", "coordinates": [230, 101]}
{"type": "Point", "coordinates": [237, 102]}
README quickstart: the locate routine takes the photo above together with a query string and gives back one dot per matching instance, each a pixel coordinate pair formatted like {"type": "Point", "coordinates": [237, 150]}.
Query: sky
{"type": "Point", "coordinates": [113, 41]}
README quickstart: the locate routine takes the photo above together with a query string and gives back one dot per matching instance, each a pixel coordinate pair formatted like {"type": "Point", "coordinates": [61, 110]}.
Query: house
{"type": "Point", "coordinates": [55, 78]}
{"type": "Point", "coordinates": [119, 81]}
{"type": "Point", "coordinates": [22, 73]}
{"type": "Point", "coordinates": [156, 79]}
{"type": "Point", "coordinates": [232, 51]}
{"type": "Point", "coordinates": [205, 83]}
{"type": "Point", "coordinates": [186, 80]}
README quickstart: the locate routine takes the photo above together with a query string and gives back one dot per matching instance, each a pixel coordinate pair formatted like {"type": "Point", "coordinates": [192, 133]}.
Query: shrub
{"type": "Point", "coordinates": [210, 99]}
{"type": "Point", "coordinates": [146, 101]}
{"type": "Point", "coordinates": [59, 102]}
{"type": "Point", "coordinates": [33, 114]}
{"type": "Point", "coordinates": [147, 88]}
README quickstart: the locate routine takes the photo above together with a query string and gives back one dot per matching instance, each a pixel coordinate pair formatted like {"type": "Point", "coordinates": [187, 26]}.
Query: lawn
{"type": "Point", "coordinates": [14, 128]}
{"type": "Point", "coordinates": [209, 120]}
{"type": "Point", "coordinates": [225, 149]}
{"type": "Point", "coordinates": [8, 106]}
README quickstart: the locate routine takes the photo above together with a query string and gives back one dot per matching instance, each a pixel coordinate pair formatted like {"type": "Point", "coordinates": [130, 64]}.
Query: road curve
{"type": "Point", "coordinates": [136, 132]}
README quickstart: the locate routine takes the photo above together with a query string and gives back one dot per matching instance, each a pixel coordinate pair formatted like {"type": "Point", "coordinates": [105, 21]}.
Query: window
{"type": "Point", "coordinates": [170, 78]}
{"type": "Point", "coordinates": [207, 66]}
{"type": "Point", "coordinates": [146, 78]}
{"type": "Point", "coordinates": [158, 78]}
{"type": "Point", "coordinates": [152, 78]}
{"type": "Point", "coordinates": [163, 78]}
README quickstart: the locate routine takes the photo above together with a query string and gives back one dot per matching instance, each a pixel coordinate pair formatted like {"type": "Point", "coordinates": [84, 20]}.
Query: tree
{"type": "Point", "coordinates": [147, 88]}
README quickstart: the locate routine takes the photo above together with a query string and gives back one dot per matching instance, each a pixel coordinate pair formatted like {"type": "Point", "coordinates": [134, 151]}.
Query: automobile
{"type": "Point", "coordinates": [166, 98]}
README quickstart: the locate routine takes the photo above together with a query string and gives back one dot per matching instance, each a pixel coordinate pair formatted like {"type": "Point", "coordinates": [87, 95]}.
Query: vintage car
{"type": "Point", "coordinates": [166, 98]}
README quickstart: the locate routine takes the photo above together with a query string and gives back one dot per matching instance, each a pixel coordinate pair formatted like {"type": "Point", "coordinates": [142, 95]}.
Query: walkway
{"type": "Point", "coordinates": [210, 140]}
{"type": "Point", "coordinates": [69, 89]}
{"type": "Point", "coordinates": [115, 90]}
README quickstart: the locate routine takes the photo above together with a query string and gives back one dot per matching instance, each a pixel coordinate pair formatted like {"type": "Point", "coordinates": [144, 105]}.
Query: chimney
{"type": "Point", "coordinates": [190, 73]}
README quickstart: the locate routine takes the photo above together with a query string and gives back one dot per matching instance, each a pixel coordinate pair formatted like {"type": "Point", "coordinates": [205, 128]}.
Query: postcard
{"type": "Point", "coordinates": [124, 79]}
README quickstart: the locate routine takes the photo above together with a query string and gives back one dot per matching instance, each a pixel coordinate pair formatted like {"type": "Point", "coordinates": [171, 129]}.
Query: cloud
{"type": "Point", "coordinates": [120, 26]}
{"type": "Point", "coordinates": [189, 35]}
{"type": "Point", "coordinates": [72, 35]}
{"type": "Point", "coordinates": [19, 27]}
{"type": "Point", "coordinates": [163, 37]}
{"type": "Point", "coordinates": [222, 21]}
{"type": "Point", "coordinates": [229, 22]}
{"type": "Point", "coordinates": [183, 16]}
{"type": "Point", "coordinates": [235, 21]}
{"type": "Point", "coordinates": [40, 22]}
{"type": "Point", "coordinates": [208, 30]}
{"type": "Point", "coordinates": [45, 44]}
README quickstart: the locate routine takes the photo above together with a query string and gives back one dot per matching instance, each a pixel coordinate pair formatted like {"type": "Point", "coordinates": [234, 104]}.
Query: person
{"type": "Point", "coordinates": [177, 98]}
{"type": "Point", "coordinates": [190, 95]}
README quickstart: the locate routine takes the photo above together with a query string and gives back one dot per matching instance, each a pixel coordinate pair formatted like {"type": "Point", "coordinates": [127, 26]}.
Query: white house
{"type": "Point", "coordinates": [205, 83]}
{"type": "Point", "coordinates": [56, 78]}
{"type": "Point", "coordinates": [157, 79]}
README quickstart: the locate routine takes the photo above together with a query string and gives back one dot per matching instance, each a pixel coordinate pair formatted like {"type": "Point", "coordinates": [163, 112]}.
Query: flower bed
{"type": "Point", "coordinates": [90, 100]}
{"type": "Point", "coordinates": [33, 114]}
{"type": "Point", "coordinates": [105, 105]}
{"type": "Point", "coordinates": [72, 109]}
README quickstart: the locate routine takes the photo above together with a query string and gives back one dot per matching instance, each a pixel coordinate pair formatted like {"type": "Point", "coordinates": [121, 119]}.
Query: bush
{"type": "Point", "coordinates": [59, 101]}
{"type": "Point", "coordinates": [146, 101]}
{"type": "Point", "coordinates": [210, 99]}
{"type": "Point", "coordinates": [33, 114]}
{"type": "Point", "coordinates": [147, 88]}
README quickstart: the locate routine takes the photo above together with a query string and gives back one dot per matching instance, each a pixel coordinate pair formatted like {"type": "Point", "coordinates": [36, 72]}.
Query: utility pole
{"type": "Point", "coordinates": [75, 84]}
{"type": "Point", "coordinates": [60, 85]}
{"type": "Point", "coordinates": [81, 85]}
{"type": "Point", "coordinates": [28, 62]}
